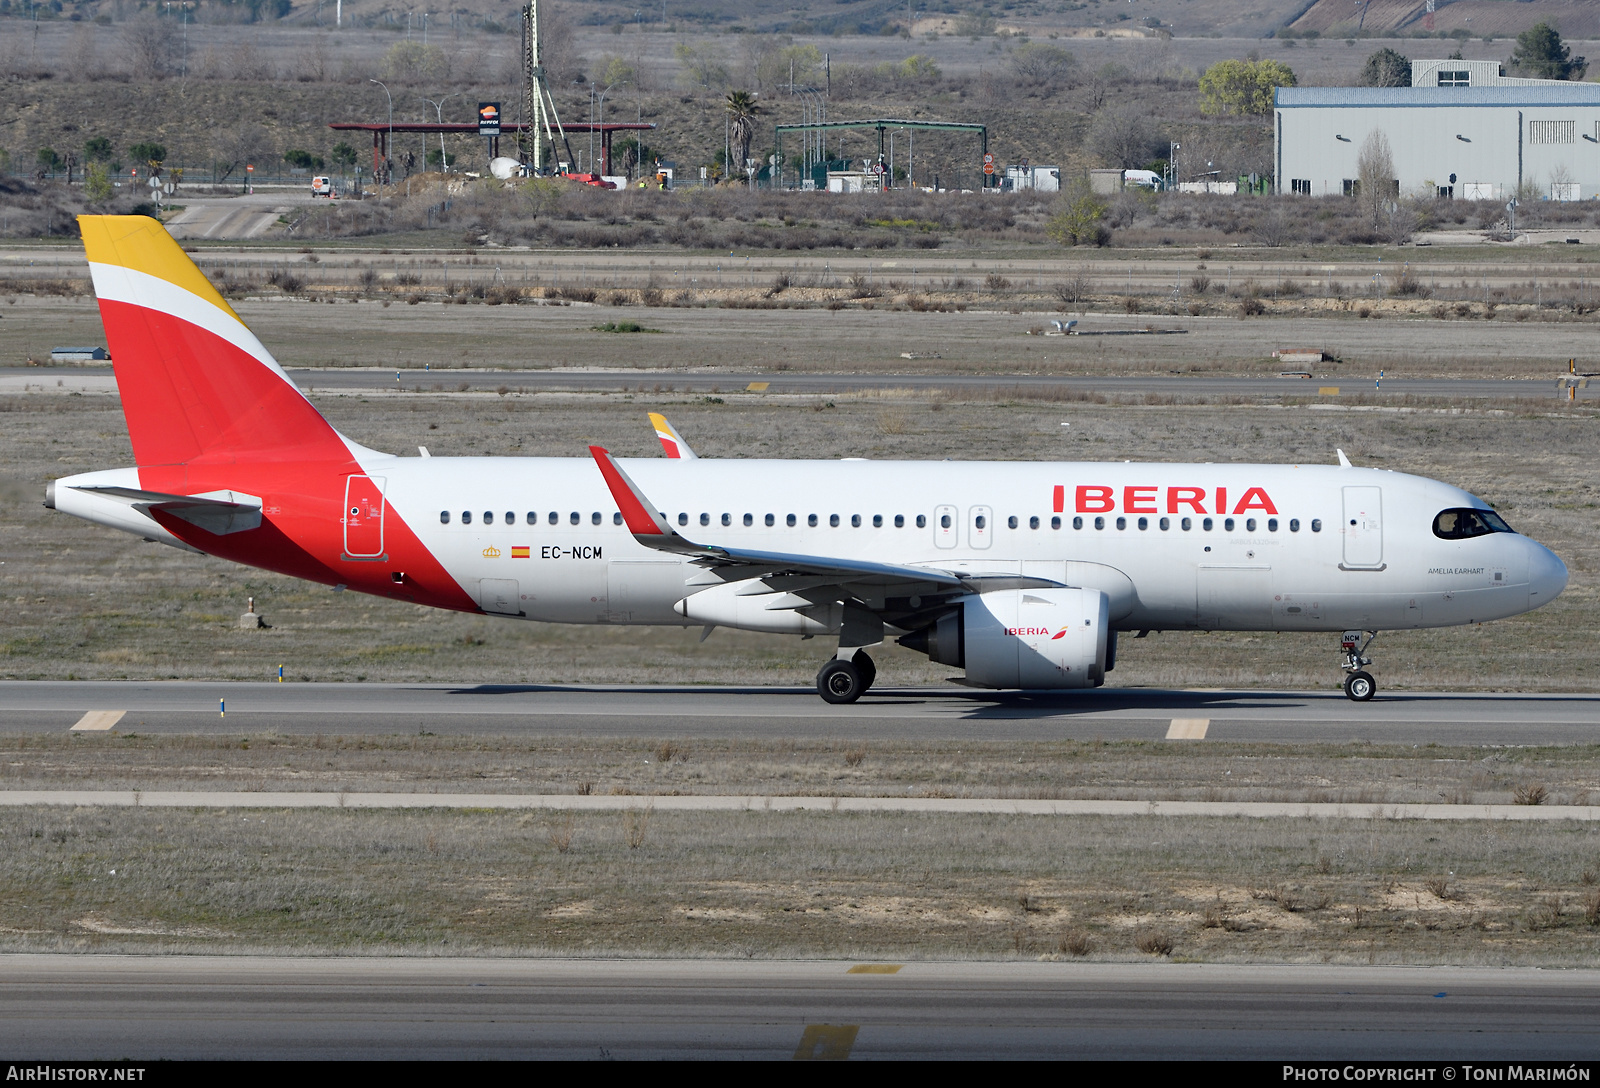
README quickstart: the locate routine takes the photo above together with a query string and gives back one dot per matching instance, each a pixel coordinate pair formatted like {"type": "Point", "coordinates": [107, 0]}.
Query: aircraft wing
{"type": "Point", "coordinates": [217, 512]}
{"type": "Point", "coordinates": [651, 529]}
{"type": "Point", "coordinates": [671, 440]}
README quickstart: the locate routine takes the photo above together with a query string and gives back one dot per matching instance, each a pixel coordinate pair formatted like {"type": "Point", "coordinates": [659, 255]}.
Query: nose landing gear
{"type": "Point", "coordinates": [1359, 686]}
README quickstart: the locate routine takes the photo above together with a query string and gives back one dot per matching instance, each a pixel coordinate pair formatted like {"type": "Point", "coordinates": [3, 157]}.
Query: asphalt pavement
{"type": "Point", "coordinates": [678, 380]}
{"type": "Point", "coordinates": [952, 712]}
{"type": "Point", "coordinates": [1332, 392]}
{"type": "Point", "coordinates": [148, 1008]}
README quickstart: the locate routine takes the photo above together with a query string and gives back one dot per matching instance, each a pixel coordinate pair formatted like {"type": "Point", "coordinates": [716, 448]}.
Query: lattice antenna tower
{"type": "Point", "coordinates": [541, 122]}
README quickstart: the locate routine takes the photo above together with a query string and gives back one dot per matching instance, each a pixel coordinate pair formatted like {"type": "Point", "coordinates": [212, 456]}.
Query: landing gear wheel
{"type": "Point", "coordinates": [1358, 686]}
{"type": "Point", "coordinates": [868, 668]}
{"type": "Point", "coordinates": [840, 682]}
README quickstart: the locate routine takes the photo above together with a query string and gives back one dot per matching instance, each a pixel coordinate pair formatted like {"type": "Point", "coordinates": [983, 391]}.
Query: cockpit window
{"type": "Point", "coordinates": [1464, 523]}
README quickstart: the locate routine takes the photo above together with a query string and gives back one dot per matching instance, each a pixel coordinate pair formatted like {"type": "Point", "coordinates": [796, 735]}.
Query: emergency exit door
{"type": "Point", "coordinates": [363, 517]}
{"type": "Point", "coordinates": [1363, 528]}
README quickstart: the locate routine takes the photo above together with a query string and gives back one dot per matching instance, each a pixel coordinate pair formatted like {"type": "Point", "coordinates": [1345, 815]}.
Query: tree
{"type": "Point", "coordinates": [148, 151]}
{"type": "Point", "coordinates": [614, 70]}
{"type": "Point", "coordinates": [1078, 216]}
{"type": "Point", "coordinates": [742, 111]}
{"type": "Point", "coordinates": [151, 45]}
{"type": "Point", "coordinates": [97, 183]}
{"type": "Point", "coordinates": [1125, 138]}
{"type": "Point", "coordinates": [1041, 64]}
{"type": "Point", "coordinates": [49, 161]}
{"type": "Point", "coordinates": [704, 64]}
{"type": "Point", "coordinates": [343, 156]}
{"type": "Point", "coordinates": [1540, 53]}
{"type": "Point", "coordinates": [775, 68]}
{"type": "Point", "coordinates": [413, 62]}
{"type": "Point", "coordinates": [302, 160]}
{"type": "Point", "coordinates": [1375, 169]}
{"type": "Point", "coordinates": [96, 149]}
{"type": "Point", "coordinates": [1243, 87]}
{"type": "Point", "coordinates": [1386, 68]}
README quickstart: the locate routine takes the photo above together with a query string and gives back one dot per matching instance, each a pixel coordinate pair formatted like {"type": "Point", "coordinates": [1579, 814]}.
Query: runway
{"type": "Point", "coordinates": [148, 1008]}
{"type": "Point", "coordinates": [370, 379]}
{"type": "Point", "coordinates": [750, 712]}
{"type": "Point", "coordinates": [710, 381]}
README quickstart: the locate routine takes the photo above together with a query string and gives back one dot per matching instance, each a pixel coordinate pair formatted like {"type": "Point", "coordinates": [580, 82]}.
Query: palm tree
{"type": "Point", "coordinates": [742, 111]}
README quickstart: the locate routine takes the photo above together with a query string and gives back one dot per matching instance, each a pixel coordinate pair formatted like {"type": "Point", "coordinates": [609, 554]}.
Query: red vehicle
{"type": "Point", "coordinates": [591, 179]}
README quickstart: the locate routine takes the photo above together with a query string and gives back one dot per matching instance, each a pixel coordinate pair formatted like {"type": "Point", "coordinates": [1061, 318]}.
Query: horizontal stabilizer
{"type": "Point", "coordinates": [217, 512]}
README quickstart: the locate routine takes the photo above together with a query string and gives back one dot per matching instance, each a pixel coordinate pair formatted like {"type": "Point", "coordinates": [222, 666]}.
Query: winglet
{"type": "Point", "coordinates": [1344, 462]}
{"type": "Point", "coordinates": [671, 440]}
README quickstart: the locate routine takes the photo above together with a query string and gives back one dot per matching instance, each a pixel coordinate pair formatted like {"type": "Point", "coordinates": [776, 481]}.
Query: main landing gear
{"type": "Point", "coordinates": [850, 672]}
{"type": "Point", "coordinates": [1359, 686]}
{"type": "Point", "coordinates": [844, 681]}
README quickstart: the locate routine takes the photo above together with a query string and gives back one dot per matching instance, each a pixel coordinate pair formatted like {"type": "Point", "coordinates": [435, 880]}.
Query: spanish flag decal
{"type": "Point", "coordinates": [519, 553]}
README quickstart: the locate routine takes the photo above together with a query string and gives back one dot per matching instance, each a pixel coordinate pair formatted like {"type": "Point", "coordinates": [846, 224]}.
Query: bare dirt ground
{"type": "Point", "coordinates": [763, 884]}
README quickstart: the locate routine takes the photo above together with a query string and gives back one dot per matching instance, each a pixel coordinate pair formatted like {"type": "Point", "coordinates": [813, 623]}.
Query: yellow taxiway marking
{"type": "Point", "coordinates": [757, 387]}
{"type": "Point", "coordinates": [826, 1042]}
{"type": "Point", "coordinates": [875, 969]}
{"type": "Point", "coordinates": [1328, 391]}
{"type": "Point", "coordinates": [1188, 728]}
{"type": "Point", "coordinates": [98, 721]}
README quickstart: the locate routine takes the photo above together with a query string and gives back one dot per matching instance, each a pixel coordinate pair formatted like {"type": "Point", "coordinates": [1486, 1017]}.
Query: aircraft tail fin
{"type": "Point", "coordinates": [671, 441]}
{"type": "Point", "coordinates": [195, 382]}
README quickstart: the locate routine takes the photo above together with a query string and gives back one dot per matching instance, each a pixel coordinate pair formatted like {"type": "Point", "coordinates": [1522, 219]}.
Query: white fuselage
{"type": "Point", "coordinates": [1280, 548]}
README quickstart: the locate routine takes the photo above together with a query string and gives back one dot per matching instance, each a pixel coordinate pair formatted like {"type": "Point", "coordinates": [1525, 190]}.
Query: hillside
{"type": "Point", "coordinates": [1499, 18]}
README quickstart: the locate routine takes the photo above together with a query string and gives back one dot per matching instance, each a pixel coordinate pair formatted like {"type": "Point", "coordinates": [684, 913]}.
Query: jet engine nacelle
{"type": "Point", "coordinates": [1023, 638]}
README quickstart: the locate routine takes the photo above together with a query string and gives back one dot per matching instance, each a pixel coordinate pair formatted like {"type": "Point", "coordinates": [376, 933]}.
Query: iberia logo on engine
{"type": "Point", "coordinates": [1026, 632]}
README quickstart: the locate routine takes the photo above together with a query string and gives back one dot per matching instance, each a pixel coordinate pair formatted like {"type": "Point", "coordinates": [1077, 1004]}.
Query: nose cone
{"type": "Point", "coordinates": [1547, 576]}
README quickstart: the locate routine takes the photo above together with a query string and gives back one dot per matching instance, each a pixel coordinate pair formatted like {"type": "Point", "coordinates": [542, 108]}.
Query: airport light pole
{"type": "Point", "coordinates": [438, 110]}
{"type": "Point", "coordinates": [389, 147]}
{"type": "Point", "coordinates": [601, 114]}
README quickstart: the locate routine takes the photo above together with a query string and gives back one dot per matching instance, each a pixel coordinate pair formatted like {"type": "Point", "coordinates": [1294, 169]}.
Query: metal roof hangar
{"type": "Point", "coordinates": [1458, 139]}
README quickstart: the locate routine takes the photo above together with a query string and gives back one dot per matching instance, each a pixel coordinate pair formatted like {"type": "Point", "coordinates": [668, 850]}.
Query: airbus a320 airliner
{"type": "Point", "coordinates": [1019, 573]}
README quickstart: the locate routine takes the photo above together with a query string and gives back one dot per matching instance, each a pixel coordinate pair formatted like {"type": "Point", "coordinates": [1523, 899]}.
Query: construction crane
{"type": "Point", "coordinates": [538, 105]}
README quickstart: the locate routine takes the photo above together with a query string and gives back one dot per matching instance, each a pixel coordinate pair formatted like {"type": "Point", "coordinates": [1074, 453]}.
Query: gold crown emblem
{"type": "Point", "coordinates": [491, 552]}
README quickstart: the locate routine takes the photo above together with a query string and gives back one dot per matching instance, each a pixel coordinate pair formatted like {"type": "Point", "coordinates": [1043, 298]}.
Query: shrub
{"type": "Point", "coordinates": [1075, 943]}
{"type": "Point", "coordinates": [1153, 942]}
{"type": "Point", "coordinates": [1530, 793]}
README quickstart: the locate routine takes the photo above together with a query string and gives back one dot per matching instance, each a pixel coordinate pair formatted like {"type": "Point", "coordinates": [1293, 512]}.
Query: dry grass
{"type": "Point", "coordinates": [555, 764]}
{"type": "Point", "coordinates": [763, 884]}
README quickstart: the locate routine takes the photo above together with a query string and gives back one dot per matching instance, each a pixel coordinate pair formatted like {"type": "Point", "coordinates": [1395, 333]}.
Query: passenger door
{"type": "Point", "coordinates": [1363, 528]}
{"type": "Point", "coordinates": [363, 517]}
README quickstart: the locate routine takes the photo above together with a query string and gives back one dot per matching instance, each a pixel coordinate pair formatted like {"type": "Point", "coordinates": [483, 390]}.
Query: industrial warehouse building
{"type": "Point", "coordinates": [1461, 130]}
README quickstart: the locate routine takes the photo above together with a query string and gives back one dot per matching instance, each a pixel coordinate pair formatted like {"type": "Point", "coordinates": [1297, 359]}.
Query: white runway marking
{"type": "Point", "coordinates": [1188, 728]}
{"type": "Point", "coordinates": [98, 721]}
